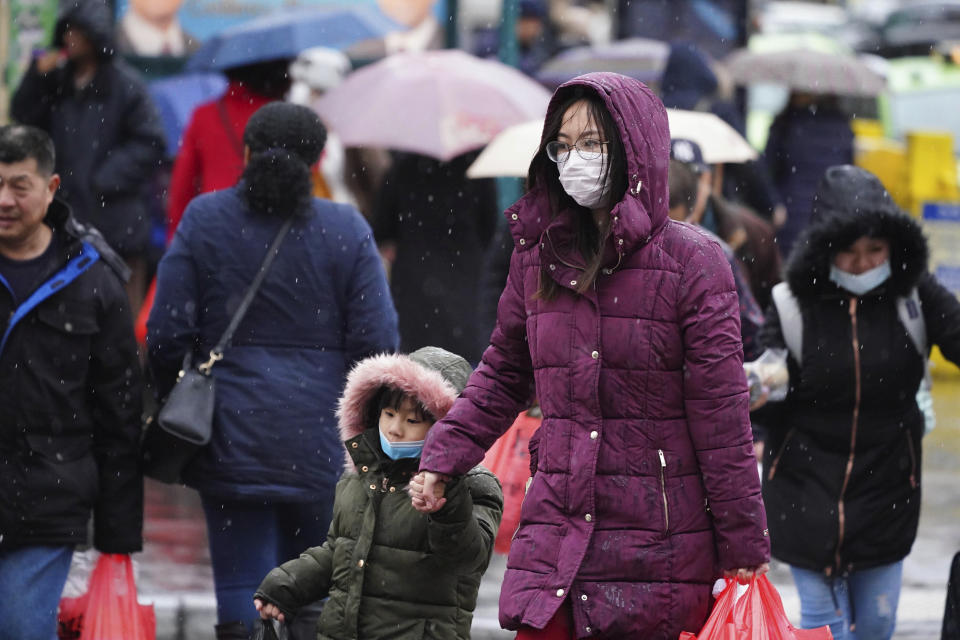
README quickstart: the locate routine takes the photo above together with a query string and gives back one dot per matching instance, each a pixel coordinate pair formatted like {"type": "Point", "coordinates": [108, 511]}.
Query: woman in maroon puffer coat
{"type": "Point", "coordinates": [645, 487]}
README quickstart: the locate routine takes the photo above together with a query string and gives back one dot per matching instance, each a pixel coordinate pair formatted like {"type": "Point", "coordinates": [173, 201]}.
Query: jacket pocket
{"type": "Point", "coordinates": [663, 490]}
{"type": "Point", "coordinates": [66, 475]}
{"type": "Point", "coordinates": [69, 317]}
{"type": "Point", "coordinates": [66, 329]}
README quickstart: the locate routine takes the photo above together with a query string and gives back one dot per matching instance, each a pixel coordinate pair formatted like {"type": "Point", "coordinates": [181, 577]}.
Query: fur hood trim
{"type": "Point", "coordinates": [851, 203]}
{"type": "Point", "coordinates": [397, 371]}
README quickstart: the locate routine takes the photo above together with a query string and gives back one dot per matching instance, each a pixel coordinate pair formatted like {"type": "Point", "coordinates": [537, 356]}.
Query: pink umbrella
{"type": "Point", "coordinates": [436, 103]}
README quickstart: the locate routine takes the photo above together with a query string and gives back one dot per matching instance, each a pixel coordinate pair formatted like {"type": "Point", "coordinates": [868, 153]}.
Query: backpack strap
{"type": "Point", "coordinates": [791, 321]}
{"type": "Point", "coordinates": [910, 310]}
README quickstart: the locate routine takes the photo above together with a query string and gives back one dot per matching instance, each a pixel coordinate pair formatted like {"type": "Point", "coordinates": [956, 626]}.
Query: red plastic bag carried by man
{"type": "Point", "coordinates": [757, 615]}
{"type": "Point", "coordinates": [109, 609]}
{"type": "Point", "coordinates": [509, 460]}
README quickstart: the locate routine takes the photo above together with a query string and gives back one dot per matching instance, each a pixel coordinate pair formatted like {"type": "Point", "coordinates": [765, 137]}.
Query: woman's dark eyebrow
{"type": "Point", "coordinates": [591, 133]}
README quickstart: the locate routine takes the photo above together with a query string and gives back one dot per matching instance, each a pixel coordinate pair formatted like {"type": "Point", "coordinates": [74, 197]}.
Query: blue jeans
{"type": "Point", "coordinates": [248, 539]}
{"type": "Point", "coordinates": [31, 581]}
{"type": "Point", "coordinates": [866, 598]}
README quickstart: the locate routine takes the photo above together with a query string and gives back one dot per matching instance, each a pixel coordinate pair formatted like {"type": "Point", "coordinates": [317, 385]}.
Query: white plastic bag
{"type": "Point", "coordinates": [768, 374]}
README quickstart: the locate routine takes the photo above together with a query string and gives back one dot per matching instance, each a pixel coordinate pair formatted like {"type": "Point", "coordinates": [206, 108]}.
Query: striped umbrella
{"type": "Point", "coordinates": [806, 70]}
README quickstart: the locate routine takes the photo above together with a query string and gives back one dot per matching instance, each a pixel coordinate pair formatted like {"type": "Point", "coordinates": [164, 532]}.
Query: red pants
{"type": "Point", "coordinates": [560, 627]}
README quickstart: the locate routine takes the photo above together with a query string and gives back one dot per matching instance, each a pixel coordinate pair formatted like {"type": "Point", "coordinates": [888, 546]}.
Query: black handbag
{"type": "Point", "coordinates": [184, 423]}
{"type": "Point", "coordinates": [267, 630]}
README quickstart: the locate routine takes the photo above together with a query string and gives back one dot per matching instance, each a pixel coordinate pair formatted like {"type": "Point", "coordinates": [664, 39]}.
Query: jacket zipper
{"type": "Point", "coordinates": [841, 523]}
{"type": "Point", "coordinates": [913, 462]}
{"type": "Point", "coordinates": [776, 460]}
{"type": "Point", "coordinates": [663, 491]}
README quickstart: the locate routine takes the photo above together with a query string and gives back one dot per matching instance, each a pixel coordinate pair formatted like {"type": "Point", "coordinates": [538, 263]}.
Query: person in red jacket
{"type": "Point", "coordinates": [211, 155]}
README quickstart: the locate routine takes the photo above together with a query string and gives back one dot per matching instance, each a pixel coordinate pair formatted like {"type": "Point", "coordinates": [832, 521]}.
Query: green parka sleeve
{"type": "Point", "coordinates": [466, 526]}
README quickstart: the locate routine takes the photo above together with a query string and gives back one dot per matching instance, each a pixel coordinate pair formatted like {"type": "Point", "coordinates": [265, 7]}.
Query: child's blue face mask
{"type": "Point", "coordinates": [399, 450]}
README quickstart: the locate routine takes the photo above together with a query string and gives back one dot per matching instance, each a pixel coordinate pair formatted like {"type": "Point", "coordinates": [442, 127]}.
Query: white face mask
{"type": "Point", "coordinates": [582, 180]}
{"type": "Point", "coordinates": [860, 283]}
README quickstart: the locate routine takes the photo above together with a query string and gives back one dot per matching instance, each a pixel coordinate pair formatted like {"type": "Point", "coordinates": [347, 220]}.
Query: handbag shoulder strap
{"type": "Point", "coordinates": [217, 353]}
{"type": "Point", "coordinates": [235, 142]}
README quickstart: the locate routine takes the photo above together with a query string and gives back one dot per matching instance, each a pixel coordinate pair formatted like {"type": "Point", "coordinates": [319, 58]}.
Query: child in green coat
{"type": "Point", "coordinates": [390, 571]}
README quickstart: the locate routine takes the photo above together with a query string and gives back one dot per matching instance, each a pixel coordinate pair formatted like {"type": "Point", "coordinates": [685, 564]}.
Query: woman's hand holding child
{"type": "Point", "coordinates": [426, 491]}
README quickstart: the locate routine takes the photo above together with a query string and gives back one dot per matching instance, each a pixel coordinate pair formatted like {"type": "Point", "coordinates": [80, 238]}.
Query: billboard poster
{"type": "Point", "coordinates": [177, 27]}
{"type": "Point", "coordinates": [31, 27]}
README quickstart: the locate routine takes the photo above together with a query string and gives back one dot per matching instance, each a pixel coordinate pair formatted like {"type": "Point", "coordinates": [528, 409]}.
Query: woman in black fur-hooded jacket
{"type": "Point", "coordinates": [841, 477]}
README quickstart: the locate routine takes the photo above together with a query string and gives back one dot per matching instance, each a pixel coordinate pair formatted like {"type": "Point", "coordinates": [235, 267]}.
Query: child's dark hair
{"type": "Point", "coordinates": [284, 141]}
{"type": "Point", "coordinates": [544, 172]}
{"type": "Point", "coordinates": [392, 398]}
{"type": "Point", "coordinates": [21, 142]}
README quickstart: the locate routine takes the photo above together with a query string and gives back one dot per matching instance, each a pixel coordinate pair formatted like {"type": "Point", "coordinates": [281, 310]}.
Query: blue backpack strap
{"type": "Point", "coordinates": [791, 320]}
{"type": "Point", "coordinates": [70, 272]}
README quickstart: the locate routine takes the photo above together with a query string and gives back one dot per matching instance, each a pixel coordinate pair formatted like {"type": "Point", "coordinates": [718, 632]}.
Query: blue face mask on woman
{"type": "Point", "coordinates": [860, 283]}
{"type": "Point", "coordinates": [399, 450]}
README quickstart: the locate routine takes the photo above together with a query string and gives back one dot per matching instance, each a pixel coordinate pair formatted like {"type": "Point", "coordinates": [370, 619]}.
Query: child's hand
{"type": "Point", "coordinates": [267, 610]}
{"type": "Point", "coordinates": [426, 491]}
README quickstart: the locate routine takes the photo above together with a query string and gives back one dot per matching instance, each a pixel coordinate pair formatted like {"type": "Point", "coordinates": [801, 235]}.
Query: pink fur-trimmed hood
{"type": "Point", "coordinates": [432, 375]}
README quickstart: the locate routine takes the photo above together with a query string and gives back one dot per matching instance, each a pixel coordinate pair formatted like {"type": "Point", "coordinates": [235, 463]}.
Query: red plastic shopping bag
{"type": "Point", "coordinates": [757, 615]}
{"type": "Point", "coordinates": [109, 609]}
{"type": "Point", "coordinates": [509, 459]}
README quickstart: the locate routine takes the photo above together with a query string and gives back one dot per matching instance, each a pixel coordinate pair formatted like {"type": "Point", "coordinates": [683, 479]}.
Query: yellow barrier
{"type": "Point", "coordinates": [887, 159]}
{"type": "Point", "coordinates": [922, 170]}
{"type": "Point", "coordinates": [931, 169]}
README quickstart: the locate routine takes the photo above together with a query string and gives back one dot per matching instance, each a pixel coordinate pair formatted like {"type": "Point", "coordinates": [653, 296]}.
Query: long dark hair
{"type": "Point", "coordinates": [284, 141]}
{"type": "Point", "coordinates": [543, 172]}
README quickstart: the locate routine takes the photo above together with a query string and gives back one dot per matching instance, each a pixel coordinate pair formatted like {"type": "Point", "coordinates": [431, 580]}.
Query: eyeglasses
{"type": "Point", "coordinates": [586, 149]}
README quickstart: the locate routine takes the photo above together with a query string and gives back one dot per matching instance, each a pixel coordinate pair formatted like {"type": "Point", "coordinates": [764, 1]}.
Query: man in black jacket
{"type": "Point", "coordinates": [70, 396]}
{"type": "Point", "coordinates": [106, 131]}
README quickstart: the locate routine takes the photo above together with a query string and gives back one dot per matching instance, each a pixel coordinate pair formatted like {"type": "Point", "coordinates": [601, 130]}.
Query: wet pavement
{"type": "Point", "coordinates": [174, 572]}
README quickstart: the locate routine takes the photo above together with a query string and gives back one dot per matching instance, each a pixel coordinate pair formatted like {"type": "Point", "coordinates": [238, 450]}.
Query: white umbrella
{"type": "Point", "coordinates": [718, 141]}
{"type": "Point", "coordinates": [510, 152]}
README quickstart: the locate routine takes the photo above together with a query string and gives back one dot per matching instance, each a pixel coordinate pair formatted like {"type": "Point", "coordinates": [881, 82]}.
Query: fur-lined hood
{"type": "Point", "coordinates": [434, 376]}
{"type": "Point", "coordinates": [851, 202]}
